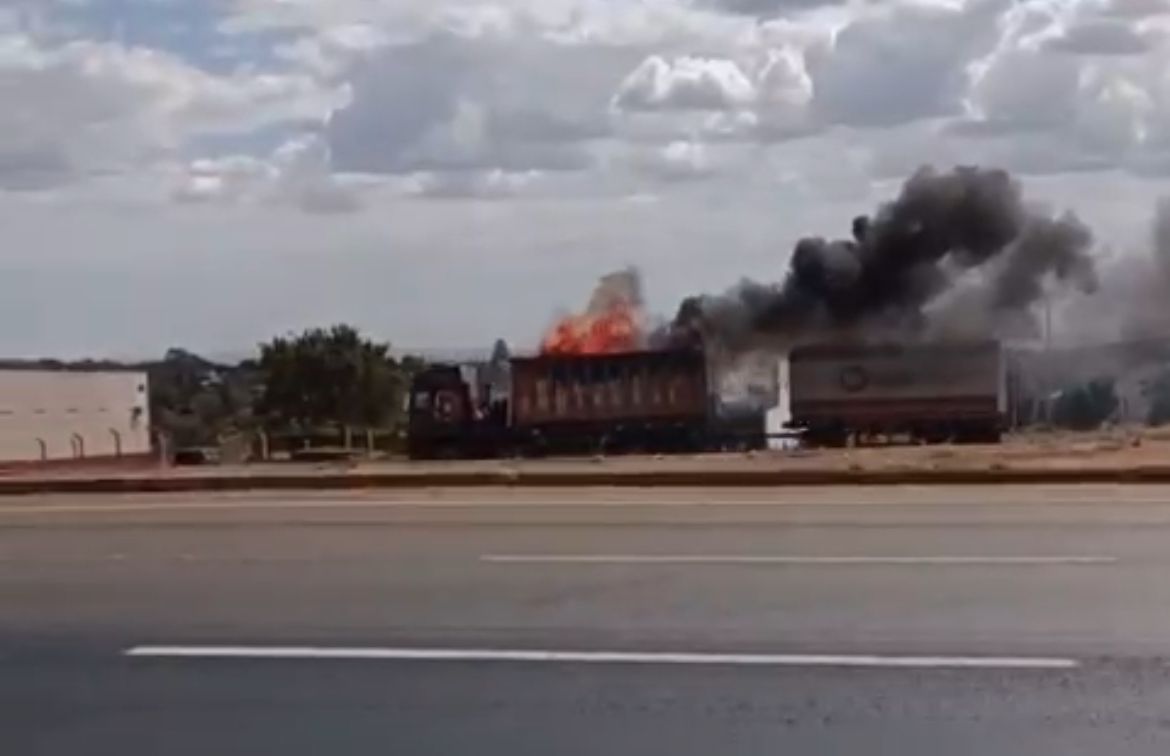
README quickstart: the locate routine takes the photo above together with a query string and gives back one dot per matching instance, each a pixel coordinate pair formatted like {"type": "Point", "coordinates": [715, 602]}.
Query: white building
{"type": "Point", "coordinates": [50, 416]}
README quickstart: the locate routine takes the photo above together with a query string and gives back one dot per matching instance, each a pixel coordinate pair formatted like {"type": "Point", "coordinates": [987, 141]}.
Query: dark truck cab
{"type": "Point", "coordinates": [448, 421]}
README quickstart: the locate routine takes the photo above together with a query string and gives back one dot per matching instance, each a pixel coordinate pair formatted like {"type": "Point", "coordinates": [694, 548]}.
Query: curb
{"type": "Point", "coordinates": [596, 478]}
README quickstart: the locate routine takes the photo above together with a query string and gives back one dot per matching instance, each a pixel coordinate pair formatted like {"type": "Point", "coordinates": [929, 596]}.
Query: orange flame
{"type": "Point", "coordinates": [615, 330]}
{"type": "Point", "coordinates": [611, 323]}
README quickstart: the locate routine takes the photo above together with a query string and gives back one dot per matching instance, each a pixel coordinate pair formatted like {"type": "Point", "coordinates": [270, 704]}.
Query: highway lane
{"type": "Point", "coordinates": [777, 578]}
{"type": "Point", "coordinates": [70, 706]}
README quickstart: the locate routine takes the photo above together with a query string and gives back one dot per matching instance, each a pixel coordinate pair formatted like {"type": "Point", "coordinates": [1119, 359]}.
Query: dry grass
{"type": "Point", "coordinates": [1116, 448]}
{"type": "Point", "coordinates": [1112, 449]}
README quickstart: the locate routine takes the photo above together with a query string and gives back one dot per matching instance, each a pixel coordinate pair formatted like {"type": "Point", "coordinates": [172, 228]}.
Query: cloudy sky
{"type": "Point", "coordinates": [206, 173]}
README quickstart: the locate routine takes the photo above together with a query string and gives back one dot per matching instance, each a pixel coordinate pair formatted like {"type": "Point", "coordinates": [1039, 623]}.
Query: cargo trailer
{"type": "Point", "coordinates": [930, 392]}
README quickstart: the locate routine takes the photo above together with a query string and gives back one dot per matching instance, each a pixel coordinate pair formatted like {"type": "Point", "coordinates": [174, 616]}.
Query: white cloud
{"type": "Point", "coordinates": [473, 143]}
{"type": "Point", "coordinates": [1101, 37]}
{"type": "Point", "coordinates": [677, 161]}
{"type": "Point", "coordinates": [786, 92]}
{"type": "Point", "coordinates": [230, 178]}
{"type": "Point", "coordinates": [762, 99]}
{"type": "Point", "coordinates": [455, 105]}
{"type": "Point", "coordinates": [685, 83]}
{"type": "Point", "coordinates": [767, 8]}
{"type": "Point", "coordinates": [487, 184]}
{"type": "Point", "coordinates": [1027, 89]}
{"type": "Point", "coordinates": [646, 23]}
{"type": "Point", "coordinates": [1115, 113]}
{"type": "Point", "coordinates": [784, 80]}
{"type": "Point", "coordinates": [1047, 104]}
{"type": "Point", "coordinates": [331, 52]}
{"type": "Point", "coordinates": [298, 173]}
{"type": "Point", "coordinates": [901, 64]}
{"type": "Point", "coordinates": [1135, 9]}
{"type": "Point", "coordinates": [87, 107]}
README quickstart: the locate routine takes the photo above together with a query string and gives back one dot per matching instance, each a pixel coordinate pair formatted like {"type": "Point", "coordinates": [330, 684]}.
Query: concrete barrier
{"type": "Point", "coordinates": [573, 479]}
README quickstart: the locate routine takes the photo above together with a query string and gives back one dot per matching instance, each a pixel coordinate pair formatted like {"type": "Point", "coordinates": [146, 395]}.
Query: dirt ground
{"type": "Point", "coordinates": [1121, 448]}
{"type": "Point", "coordinates": [1113, 449]}
{"type": "Point", "coordinates": [1116, 448]}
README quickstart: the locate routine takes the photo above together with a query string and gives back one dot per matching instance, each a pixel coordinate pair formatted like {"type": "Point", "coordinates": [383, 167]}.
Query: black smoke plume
{"type": "Point", "coordinates": [959, 248]}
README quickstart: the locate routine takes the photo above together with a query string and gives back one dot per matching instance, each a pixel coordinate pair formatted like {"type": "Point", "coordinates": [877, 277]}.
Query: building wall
{"type": "Point", "coordinates": [49, 416]}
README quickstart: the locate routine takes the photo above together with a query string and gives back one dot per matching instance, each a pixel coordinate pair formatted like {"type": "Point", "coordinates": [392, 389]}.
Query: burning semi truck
{"type": "Point", "coordinates": [662, 401]}
{"type": "Point", "coordinates": [601, 384]}
{"type": "Point", "coordinates": [886, 334]}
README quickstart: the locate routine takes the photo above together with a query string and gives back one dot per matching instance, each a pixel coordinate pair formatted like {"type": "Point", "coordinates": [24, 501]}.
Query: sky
{"type": "Point", "coordinates": [209, 173]}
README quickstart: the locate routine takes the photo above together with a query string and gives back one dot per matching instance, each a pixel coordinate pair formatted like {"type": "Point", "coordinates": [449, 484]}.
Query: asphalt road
{"type": "Point", "coordinates": [895, 620]}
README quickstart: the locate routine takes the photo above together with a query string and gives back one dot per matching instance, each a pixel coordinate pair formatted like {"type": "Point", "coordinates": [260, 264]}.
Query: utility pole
{"type": "Point", "coordinates": [1049, 382]}
{"type": "Point", "coordinates": [1047, 323]}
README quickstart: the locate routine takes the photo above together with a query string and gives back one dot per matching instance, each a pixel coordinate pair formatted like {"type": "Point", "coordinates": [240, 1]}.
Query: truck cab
{"type": "Point", "coordinates": [451, 416]}
{"type": "Point", "coordinates": [439, 409]}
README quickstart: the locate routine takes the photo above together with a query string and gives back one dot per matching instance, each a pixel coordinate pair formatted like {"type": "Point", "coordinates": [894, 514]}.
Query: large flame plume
{"type": "Point", "coordinates": [613, 322]}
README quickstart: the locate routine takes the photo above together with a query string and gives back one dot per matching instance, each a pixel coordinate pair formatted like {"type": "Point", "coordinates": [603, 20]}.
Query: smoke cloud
{"type": "Point", "coordinates": [1162, 236]}
{"type": "Point", "coordinates": [955, 251]}
{"type": "Point", "coordinates": [1140, 288]}
{"type": "Point", "coordinates": [622, 288]}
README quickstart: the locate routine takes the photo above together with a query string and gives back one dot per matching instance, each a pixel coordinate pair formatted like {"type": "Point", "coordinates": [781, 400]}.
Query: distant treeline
{"type": "Point", "coordinates": [317, 383]}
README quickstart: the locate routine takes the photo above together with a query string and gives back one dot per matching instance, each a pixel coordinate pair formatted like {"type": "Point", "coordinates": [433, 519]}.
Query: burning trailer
{"type": "Point", "coordinates": [597, 386]}
{"type": "Point", "coordinates": [644, 401]}
{"type": "Point", "coordinates": [663, 401]}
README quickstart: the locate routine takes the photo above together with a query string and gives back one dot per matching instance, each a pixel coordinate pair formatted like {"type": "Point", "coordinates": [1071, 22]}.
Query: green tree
{"type": "Point", "coordinates": [194, 400]}
{"type": "Point", "coordinates": [329, 377]}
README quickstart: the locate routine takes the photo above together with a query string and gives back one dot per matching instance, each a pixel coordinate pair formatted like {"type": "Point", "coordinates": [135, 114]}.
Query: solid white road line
{"type": "Point", "coordinates": [748, 559]}
{"type": "Point", "coordinates": [597, 657]}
